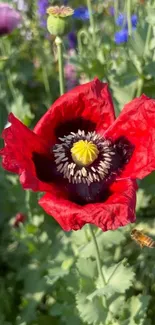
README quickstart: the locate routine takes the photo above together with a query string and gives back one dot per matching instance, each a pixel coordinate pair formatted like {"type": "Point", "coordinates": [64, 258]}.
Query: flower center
{"type": "Point", "coordinates": [84, 158]}
{"type": "Point", "coordinates": [84, 152]}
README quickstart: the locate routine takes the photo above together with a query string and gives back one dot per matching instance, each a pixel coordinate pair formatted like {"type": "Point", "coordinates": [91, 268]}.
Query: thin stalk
{"type": "Point", "coordinates": [115, 9]}
{"type": "Point", "coordinates": [81, 35]}
{"type": "Point", "coordinates": [139, 87]}
{"type": "Point", "coordinates": [27, 204]}
{"type": "Point", "coordinates": [128, 7]}
{"type": "Point", "coordinates": [98, 259]}
{"type": "Point", "coordinates": [58, 42]}
{"type": "Point", "coordinates": [148, 37]}
{"type": "Point", "coordinates": [46, 81]}
{"type": "Point", "coordinates": [10, 84]}
{"type": "Point", "coordinates": [8, 73]}
{"type": "Point", "coordinates": [92, 23]}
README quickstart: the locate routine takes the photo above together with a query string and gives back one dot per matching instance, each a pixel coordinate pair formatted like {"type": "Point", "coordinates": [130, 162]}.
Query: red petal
{"type": "Point", "coordinates": [91, 101]}
{"type": "Point", "coordinates": [20, 143]}
{"type": "Point", "coordinates": [137, 124]}
{"type": "Point", "coordinates": [118, 210]}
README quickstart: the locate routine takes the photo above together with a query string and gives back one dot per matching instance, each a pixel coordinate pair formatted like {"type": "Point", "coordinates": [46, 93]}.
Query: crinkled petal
{"type": "Point", "coordinates": [20, 143]}
{"type": "Point", "coordinates": [137, 123]}
{"type": "Point", "coordinates": [89, 102]}
{"type": "Point", "coordinates": [118, 210]}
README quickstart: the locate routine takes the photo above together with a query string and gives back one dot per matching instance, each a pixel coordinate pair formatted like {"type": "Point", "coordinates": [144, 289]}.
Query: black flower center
{"type": "Point", "coordinates": [92, 161]}
{"type": "Point", "coordinates": [85, 175]}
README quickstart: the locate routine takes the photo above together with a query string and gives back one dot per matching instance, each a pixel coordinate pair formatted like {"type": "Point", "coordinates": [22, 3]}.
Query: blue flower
{"type": "Point", "coordinates": [112, 11]}
{"type": "Point", "coordinates": [81, 13]}
{"type": "Point", "coordinates": [134, 20]}
{"type": "Point", "coordinates": [122, 20]}
{"type": "Point", "coordinates": [121, 36]}
{"type": "Point", "coordinates": [42, 7]}
{"type": "Point", "coordinates": [72, 40]}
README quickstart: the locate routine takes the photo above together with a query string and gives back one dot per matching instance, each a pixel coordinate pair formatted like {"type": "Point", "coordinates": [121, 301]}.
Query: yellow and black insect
{"type": "Point", "coordinates": [142, 239]}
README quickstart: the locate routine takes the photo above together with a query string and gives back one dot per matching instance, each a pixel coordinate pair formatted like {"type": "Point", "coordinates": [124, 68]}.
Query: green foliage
{"type": "Point", "coordinates": [47, 276]}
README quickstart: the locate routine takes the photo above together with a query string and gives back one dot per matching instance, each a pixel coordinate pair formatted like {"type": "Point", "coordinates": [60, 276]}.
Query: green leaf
{"type": "Point", "coordinates": [148, 183]}
{"type": "Point", "coordinates": [151, 16]}
{"type": "Point", "coordinates": [106, 291]}
{"type": "Point", "coordinates": [137, 43]}
{"type": "Point", "coordinates": [21, 109]}
{"type": "Point", "coordinates": [87, 268]}
{"type": "Point", "coordinates": [46, 320]}
{"type": "Point", "coordinates": [91, 312]}
{"type": "Point", "coordinates": [149, 69]}
{"type": "Point", "coordinates": [124, 94]}
{"type": "Point", "coordinates": [54, 274]}
{"type": "Point", "coordinates": [116, 304]}
{"type": "Point", "coordinates": [142, 199]}
{"type": "Point", "coordinates": [119, 277]}
{"type": "Point", "coordinates": [138, 307]}
{"type": "Point", "coordinates": [104, 239]}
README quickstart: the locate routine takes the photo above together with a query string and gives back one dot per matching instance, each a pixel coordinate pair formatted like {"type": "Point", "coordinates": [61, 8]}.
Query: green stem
{"type": "Point", "coordinates": [7, 72]}
{"type": "Point", "coordinates": [92, 23]}
{"type": "Point", "coordinates": [115, 9]}
{"type": "Point", "coordinates": [81, 35]}
{"type": "Point", "coordinates": [58, 42]}
{"type": "Point", "coordinates": [139, 87]}
{"type": "Point", "coordinates": [148, 37]}
{"type": "Point", "coordinates": [27, 204]}
{"type": "Point", "coordinates": [129, 17]}
{"type": "Point", "coordinates": [98, 260]}
{"type": "Point", "coordinates": [46, 81]}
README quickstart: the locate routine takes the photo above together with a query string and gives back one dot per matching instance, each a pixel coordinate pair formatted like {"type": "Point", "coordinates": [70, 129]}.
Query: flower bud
{"type": "Point", "coordinates": [19, 218]}
{"type": "Point", "coordinates": [10, 18]}
{"type": "Point", "coordinates": [59, 19]}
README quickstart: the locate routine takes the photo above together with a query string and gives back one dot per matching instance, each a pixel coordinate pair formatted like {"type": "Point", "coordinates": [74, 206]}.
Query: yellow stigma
{"type": "Point", "coordinates": [84, 152]}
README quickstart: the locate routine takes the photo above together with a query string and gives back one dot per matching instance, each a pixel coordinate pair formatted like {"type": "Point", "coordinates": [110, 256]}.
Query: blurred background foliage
{"type": "Point", "coordinates": [47, 276]}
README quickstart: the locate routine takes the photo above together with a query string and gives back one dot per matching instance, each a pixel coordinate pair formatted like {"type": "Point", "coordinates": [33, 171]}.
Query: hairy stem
{"type": "Point", "coordinates": [129, 17]}
{"type": "Point", "coordinates": [116, 9]}
{"type": "Point", "coordinates": [92, 23]}
{"type": "Point", "coordinates": [98, 259]}
{"type": "Point", "coordinates": [58, 42]}
{"type": "Point", "coordinates": [27, 204]}
{"type": "Point", "coordinates": [139, 87]}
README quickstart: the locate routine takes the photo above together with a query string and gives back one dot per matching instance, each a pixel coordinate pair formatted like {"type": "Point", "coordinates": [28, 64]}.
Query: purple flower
{"type": "Point", "coordinates": [81, 13]}
{"type": "Point", "coordinates": [72, 40]}
{"type": "Point", "coordinates": [9, 19]}
{"type": "Point", "coordinates": [42, 7]}
{"type": "Point", "coordinates": [112, 11]}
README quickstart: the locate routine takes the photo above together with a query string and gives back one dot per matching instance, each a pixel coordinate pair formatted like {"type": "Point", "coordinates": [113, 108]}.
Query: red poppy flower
{"type": "Point", "coordinates": [84, 159]}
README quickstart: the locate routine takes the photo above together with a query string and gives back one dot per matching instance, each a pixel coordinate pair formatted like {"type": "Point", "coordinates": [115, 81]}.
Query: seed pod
{"type": "Point", "coordinates": [59, 20]}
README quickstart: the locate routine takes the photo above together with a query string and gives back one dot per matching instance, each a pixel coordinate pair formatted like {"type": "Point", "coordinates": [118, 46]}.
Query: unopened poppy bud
{"type": "Point", "coordinates": [19, 218]}
{"type": "Point", "coordinates": [58, 21]}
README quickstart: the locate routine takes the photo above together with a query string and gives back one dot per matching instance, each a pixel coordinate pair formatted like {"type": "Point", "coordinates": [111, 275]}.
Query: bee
{"type": "Point", "coordinates": [141, 239]}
